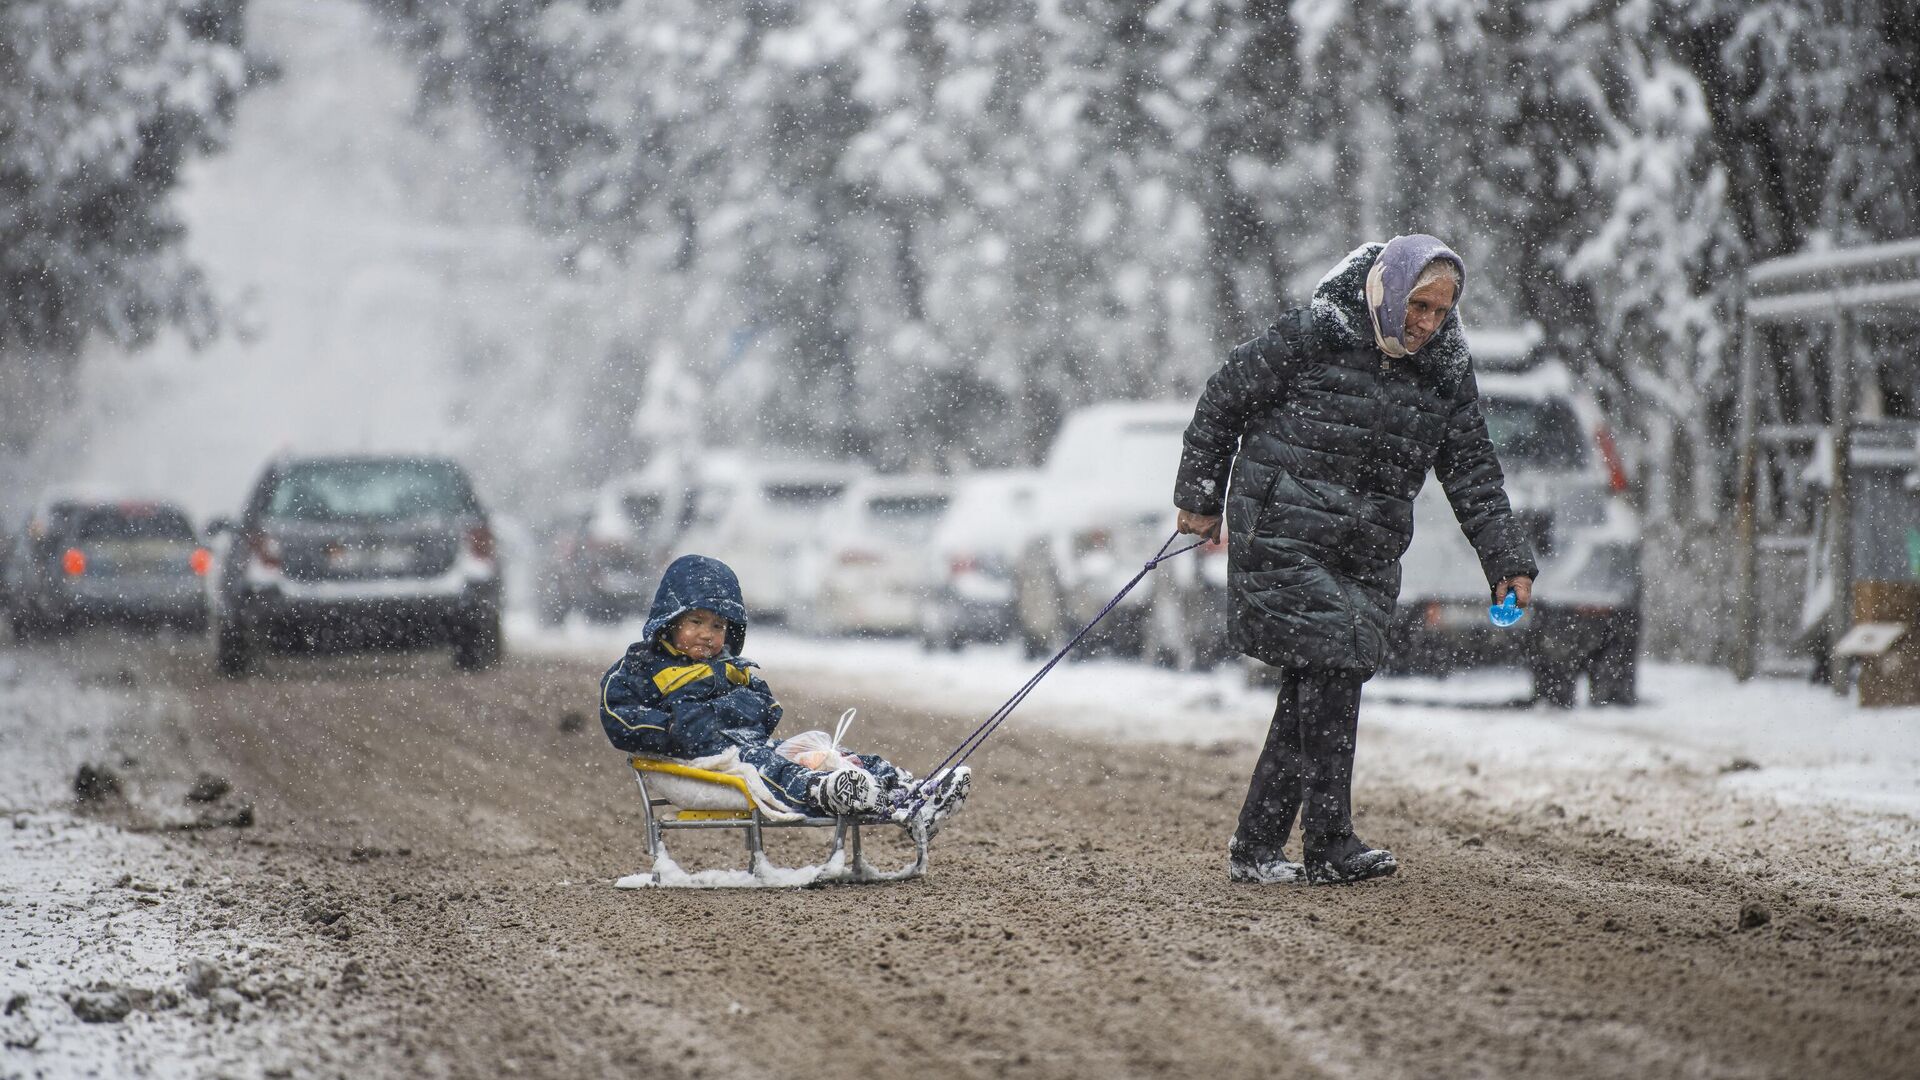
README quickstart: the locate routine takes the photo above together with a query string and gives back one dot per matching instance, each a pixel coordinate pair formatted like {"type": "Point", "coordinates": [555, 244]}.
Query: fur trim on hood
{"type": "Point", "coordinates": [1342, 316]}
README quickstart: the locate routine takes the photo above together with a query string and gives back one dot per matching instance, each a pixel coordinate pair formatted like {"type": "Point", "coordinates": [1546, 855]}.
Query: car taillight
{"type": "Point", "coordinates": [1092, 540]}
{"type": "Point", "coordinates": [1609, 453]}
{"type": "Point", "coordinates": [480, 542]}
{"type": "Point", "coordinates": [266, 550]}
{"type": "Point", "coordinates": [201, 561]}
{"type": "Point", "coordinates": [962, 564]}
{"type": "Point", "coordinates": [74, 562]}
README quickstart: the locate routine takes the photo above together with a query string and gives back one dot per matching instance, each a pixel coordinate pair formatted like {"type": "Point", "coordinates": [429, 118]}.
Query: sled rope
{"type": "Point", "coordinates": [992, 723]}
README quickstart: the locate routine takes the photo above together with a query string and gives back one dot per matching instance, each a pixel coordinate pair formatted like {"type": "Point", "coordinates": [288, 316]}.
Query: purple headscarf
{"type": "Point", "coordinates": [1391, 279]}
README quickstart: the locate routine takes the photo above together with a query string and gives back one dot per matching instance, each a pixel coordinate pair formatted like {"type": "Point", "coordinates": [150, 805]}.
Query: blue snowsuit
{"type": "Point", "coordinates": [660, 702]}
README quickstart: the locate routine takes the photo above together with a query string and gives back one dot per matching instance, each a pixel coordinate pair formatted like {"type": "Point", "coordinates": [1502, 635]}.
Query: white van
{"type": "Point", "coordinates": [766, 519]}
{"type": "Point", "coordinates": [1105, 505]}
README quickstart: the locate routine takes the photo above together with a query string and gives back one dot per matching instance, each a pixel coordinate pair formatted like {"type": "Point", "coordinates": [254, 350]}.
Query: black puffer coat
{"type": "Point", "coordinates": [1328, 441]}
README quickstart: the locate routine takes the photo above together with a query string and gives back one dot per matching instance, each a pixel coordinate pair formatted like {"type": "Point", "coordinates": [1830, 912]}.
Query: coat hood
{"type": "Point", "coordinates": [1342, 313]}
{"type": "Point", "coordinates": [696, 581]}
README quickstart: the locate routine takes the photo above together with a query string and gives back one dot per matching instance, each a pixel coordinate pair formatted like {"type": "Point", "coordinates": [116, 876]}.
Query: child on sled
{"type": "Point", "coordinates": [684, 692]}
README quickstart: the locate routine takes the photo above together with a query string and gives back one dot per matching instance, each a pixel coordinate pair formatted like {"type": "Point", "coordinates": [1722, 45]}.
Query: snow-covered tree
{"type": "Point", "coordinates": [101, 104]}
{"type": "Point", "coordinates": [918, 230]}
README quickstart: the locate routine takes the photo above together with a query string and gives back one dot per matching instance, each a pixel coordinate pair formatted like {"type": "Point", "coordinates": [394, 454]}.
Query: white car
{"type": "Point", "coordinates": [1107, 507]}
{"type": "Point", "coordinates": [763, 519]}
{"type": "Point", "coordinates": [1186, 623]}
{"type": "Point", "coordinates": [618, 543]}
{"type": "Point", "coordinates": [971, 558]}
{"type": "Point", "coordinates": [873, 576]}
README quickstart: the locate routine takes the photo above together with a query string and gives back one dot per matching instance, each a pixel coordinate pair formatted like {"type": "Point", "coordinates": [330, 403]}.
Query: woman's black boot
{"type": "Point", "coordinates": [1346, 859]}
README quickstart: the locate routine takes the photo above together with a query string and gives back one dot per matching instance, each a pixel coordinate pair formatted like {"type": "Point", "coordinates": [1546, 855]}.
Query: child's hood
{"type": "Point", "coordinates": [696, 581]}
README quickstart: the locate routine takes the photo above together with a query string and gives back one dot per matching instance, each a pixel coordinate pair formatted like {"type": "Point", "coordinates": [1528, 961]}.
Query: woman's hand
{"type": "Point", "coordinates": [1521, 587]}
{"type": "Point", "coordinates": [1207, 525]}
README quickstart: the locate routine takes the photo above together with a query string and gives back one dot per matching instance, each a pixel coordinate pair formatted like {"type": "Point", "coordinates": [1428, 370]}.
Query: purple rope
{"type": "Point", "coordinates": [992, 723]}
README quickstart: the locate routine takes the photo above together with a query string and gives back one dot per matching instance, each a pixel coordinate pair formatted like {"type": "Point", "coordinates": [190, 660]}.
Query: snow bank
{"type": "Point", "coordinates": [119, 955]}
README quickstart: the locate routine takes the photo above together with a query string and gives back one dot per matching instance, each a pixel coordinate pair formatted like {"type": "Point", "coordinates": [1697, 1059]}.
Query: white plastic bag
{"type": "Point", "coordinates": [820, 751]}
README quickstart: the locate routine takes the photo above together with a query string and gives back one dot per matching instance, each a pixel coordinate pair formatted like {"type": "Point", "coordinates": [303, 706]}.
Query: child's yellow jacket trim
{"type": "Point", "coordinates": [670, 679]}
{"type": "Point", "coordinates": [667, 680]}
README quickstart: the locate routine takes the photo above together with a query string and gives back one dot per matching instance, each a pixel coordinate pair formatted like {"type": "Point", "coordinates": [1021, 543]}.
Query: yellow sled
{"type": "Point", "coordinates": [675, 795]}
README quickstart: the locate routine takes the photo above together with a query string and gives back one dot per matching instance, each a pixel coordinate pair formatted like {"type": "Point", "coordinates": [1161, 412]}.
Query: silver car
{"type": "Point", "coordinates": [128, 562]}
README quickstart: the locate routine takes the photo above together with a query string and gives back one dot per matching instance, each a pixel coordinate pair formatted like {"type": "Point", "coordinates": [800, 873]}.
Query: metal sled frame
{"type": "Point", "coordinates": [845, 862]}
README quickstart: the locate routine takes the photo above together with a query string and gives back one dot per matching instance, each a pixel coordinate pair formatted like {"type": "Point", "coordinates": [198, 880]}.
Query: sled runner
{"type": "Point", "coordinates": [675, 795]}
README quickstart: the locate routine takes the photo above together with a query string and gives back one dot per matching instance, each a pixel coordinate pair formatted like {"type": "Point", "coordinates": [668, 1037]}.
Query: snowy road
{"type": "Point", "coordinates": [423, 884]}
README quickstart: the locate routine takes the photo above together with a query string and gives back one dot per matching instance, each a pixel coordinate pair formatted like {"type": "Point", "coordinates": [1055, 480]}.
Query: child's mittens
{"type": "Point", "coordinates": [697, 729]}
{"type": "Point", "coordinates": [744, 708]}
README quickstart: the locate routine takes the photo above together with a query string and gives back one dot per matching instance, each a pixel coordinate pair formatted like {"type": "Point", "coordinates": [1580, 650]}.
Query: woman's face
{"type": "Point", "coordinates": [1427, 308]}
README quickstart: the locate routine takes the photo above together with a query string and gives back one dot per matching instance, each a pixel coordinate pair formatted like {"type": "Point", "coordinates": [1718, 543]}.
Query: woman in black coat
{"type": "Point", "coordinates": [1326, 426]}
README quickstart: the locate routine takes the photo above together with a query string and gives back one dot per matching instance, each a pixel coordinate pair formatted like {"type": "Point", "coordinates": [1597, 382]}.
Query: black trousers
{"type": "Point", "coordinates": [1306, 766]}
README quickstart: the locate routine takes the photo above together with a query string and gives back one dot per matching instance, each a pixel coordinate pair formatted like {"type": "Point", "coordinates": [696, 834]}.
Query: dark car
{"type": "Point", "coordinates": [358, 553]}
{"type": "Point", "coordinates": [78, 563]}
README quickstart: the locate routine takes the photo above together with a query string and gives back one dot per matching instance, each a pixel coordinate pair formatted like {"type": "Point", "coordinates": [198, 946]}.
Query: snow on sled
{"type": "Point", "coordinates": [681, 795]}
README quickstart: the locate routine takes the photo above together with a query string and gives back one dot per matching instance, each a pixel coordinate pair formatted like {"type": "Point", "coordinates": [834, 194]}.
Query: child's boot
{"type": "Point", "coordinates": [938, 800]}
{"type": "Point", "coordinates": [949, 791]}
{"type": "Point", "coordinates": [844, 792]}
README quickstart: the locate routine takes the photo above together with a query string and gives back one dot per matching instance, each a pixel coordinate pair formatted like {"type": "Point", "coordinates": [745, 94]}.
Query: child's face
{"type": "Point", "coordinates": [699, 633]}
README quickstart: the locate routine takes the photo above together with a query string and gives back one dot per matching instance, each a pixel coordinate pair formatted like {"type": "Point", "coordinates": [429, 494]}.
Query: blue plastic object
{"type": "Point", "coordinates": [1506, 612]}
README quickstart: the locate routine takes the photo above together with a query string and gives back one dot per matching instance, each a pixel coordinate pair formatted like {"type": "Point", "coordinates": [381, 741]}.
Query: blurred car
{"type": "Point", "coordinates": [31, 549]}
{"type": "Point", "coordinates": [559, 543]}
{"type": "Point", "coordinates": [1187, 612]}
{"type": "Point", "coordinates": [1108, 484]}
{"type": "Point", "coordinates": [1568, 488]}
{"type": "Point", "coordinates": [972, 552]}
{"type": "Point", "coordinates": [873, 575]}
{"type": "Point", "coordinates": [616, 547]}
{"type": "Point", "coordinates": [765, 519]}
{"type": "Point", "coordinates": [78, 563]}
{"type": "Point", "coordinates": [358, 552]}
